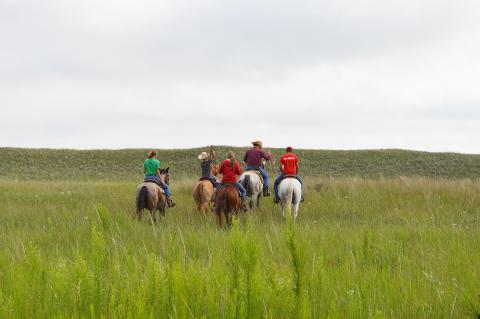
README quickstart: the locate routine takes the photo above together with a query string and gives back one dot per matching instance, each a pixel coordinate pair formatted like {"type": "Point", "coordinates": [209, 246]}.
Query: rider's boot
{"type": "Point", "coordinates": [276, 199]}
{"type": "Point", "coordinates": [170, 202]}
{"type": "Point", "coordinates": [244, 207]}
{"type": "Point", "coordinates": [266, 192]}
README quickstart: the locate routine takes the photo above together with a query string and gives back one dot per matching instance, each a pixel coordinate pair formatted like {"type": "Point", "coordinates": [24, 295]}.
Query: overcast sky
{"type": "Point", "coordinates": [345, 74]}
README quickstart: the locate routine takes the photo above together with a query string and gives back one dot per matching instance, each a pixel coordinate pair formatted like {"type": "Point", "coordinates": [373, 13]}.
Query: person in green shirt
{"type": "Point", "coordinates": [151, 168]}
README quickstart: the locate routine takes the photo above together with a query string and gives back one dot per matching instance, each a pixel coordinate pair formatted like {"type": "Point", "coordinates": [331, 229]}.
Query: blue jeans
{"type": "Point", "coordinates": [163, 185]}
{"type": "Point", "coordinates": [263, 172]}
{"type": "Point", "coordinates": [241, 189]}
{"type": "Point", "coordinates": [279, 179]}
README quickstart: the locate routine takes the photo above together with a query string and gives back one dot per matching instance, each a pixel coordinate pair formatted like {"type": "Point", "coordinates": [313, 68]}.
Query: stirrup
{"type": "Point", "coordinates": [276, 200]}
{"type": "Point", "coordinates": [266, 193]}
{"type": "Point", "coordinates": [171, 203]}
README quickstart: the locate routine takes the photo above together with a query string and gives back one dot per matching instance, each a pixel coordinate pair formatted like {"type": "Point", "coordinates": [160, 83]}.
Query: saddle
{"type": "Point", "coordinates": [152, 180]}
{"type": "Point", "coordinates": [288, 176]}
{"type": "Point", "coordinates": [207, 178]}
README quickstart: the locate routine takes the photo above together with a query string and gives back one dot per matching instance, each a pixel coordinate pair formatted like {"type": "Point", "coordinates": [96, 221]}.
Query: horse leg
{"type": "Point", "coordinates": [295, 211]}
{"type": "Point", "coordinates": [228, 217]}
{"type": "Point", "coordinates": [139, 214]}
{"type": "Point", "coordinates": [219, 218]}
{"type": "Point", "coordinates": [204, 208]}
{"type": "Point", "coordinates": [283, 209]}
{"type": "Point", "coordinates": [152, 216]}
{"type": "Point", "coordinates": [161, 206]}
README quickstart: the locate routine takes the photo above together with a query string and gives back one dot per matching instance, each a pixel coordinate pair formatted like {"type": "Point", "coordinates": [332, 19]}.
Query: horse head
{"type": "Point", "coordinates": [165, 175]}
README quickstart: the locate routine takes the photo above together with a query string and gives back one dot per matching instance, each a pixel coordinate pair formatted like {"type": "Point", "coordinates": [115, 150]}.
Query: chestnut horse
{"type": "Point", "coordinates": [203, 192]}
{"type": "Point", "coordinates": [227, 203]}
{"type": "Point", "coordinates": [152, 197]}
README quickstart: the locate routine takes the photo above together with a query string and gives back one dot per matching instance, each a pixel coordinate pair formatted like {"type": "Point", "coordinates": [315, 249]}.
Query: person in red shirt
{"type": "Point", "coordinates": [288, 166]}
{"type": "Point", "coordinates": [230, 168]}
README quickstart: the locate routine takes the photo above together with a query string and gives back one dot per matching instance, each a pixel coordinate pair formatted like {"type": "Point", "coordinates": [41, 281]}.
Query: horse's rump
{"type": "Point", "coordinates": [227, 199]}
{"type": "Point", "coordinates": [252, 185]}
{"type": "Point", "coordinates": [203, 191]}
{"type": "Point", "coordinates": [257, 172]}
{"type": "Point", "coordinates": [150, 196]}
{"type": "Point", "coordinates": [290, 189]}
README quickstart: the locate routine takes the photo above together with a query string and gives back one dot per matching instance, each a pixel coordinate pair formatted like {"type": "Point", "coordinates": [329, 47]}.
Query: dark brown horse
{"type": "Point", "coordinates": [152, 197]}
{"type": "Point", "coordinates": [227, 203]}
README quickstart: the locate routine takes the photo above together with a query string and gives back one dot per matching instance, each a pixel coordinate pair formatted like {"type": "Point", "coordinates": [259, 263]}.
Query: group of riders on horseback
{"type": "Point", "coordinates": [230, 168]}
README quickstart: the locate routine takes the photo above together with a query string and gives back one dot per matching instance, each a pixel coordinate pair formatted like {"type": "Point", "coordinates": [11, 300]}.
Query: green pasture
{"type": "Point", "coordinates": [122, 165]}
{"type": "Point", "coordinates": [361, 248]}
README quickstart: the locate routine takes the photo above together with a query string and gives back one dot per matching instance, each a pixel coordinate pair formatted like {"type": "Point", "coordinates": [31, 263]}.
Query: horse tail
{"type": "Point", "coordinates": [221, 206]}
{"type": "Point", "coordinates": [203, 194]}
{"type": "Point", "coordinates": [288, 196]}
{"type": "Point", "coordinates": [200, 193]}
{"type": "Point", "coordinates": [197, 192]}
{"type": "Point", "coordinates": [142, 198]}
{"type": "Point", "coordinates": [247, 184]}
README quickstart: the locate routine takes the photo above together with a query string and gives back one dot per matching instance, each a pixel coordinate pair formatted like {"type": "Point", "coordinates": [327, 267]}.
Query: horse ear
{"type": "Point", "coordinates": [166, 170]}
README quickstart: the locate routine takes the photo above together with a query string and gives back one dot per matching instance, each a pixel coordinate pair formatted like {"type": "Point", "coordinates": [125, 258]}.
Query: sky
{"type": "Point", "coordinates": [344, 74]}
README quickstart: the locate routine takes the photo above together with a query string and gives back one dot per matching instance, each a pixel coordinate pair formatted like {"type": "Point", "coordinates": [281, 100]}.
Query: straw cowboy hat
{"type": "Point", "coordinates": [257, 143]}
{"type": "Point", "coordinates": [203, 156]}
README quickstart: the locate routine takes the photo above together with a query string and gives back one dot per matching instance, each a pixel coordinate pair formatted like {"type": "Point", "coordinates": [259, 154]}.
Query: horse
{"type": "Point", "coordinates": [152, 197]}
{"type": "Point", "coordinates": [227, 203]}
{"type": "Point", "coordinates": [253, 184]}
{"type": "Point", "coordinates": [290, 193]}
{"type": "Point", "coordinates": [203, 192]}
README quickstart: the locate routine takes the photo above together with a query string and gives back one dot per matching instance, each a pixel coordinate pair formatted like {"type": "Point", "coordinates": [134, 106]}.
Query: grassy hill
{"type": "Point", "coordinates": [63, 164]}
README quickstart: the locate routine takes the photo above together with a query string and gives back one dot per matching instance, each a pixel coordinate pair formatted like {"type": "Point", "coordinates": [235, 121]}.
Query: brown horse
{"type": "Point", "coordinates": [152, 197]}
{"type": "Point", "coordinates": [227, 203]}
{"type": "Point", "coordinates": [203, 192]}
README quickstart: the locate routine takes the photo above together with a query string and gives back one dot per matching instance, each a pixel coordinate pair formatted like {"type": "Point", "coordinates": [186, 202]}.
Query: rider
{"type": "Point", "coordinates": [288, 166]}
{"type": "Point", "coordinates": [230, 168]}
{"type": "Point", "coordinates": [206, 162]}
{"type": "Point", "coordinates": [253, 158]}
{"type": "Point", "coordinates": [151, 168]}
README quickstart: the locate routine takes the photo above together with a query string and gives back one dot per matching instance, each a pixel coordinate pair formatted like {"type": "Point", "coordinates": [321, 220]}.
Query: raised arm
{"type": "Point", "coordinates": [213, 155]}
{"type": "Point", "coordinates": [267, 156]}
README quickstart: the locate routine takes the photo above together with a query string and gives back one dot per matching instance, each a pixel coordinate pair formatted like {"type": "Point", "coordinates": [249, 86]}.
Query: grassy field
{"type": "Point", "coordinates": [122, 165]}
{"type": "Point", "coordinates": [361, 248]}
{"type": "Point", "coordinates": [382, 234]}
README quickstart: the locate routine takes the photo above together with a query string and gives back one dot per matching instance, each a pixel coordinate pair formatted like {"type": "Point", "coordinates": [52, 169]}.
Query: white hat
{"type": "Point", "coordinates": [203, 156]}
{"type": "Point", "coordinates": [257, 143]}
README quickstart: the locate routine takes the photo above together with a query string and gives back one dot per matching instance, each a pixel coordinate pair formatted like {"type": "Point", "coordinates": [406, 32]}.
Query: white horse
{"type": "Point", "coordinates": [253, 184]}
{"type": "Point", "coordinates": [290, 193]}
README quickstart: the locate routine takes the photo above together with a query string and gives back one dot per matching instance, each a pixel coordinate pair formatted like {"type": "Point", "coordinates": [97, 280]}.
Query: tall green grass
{"type": "Point", "coordinates": [387, 248]}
